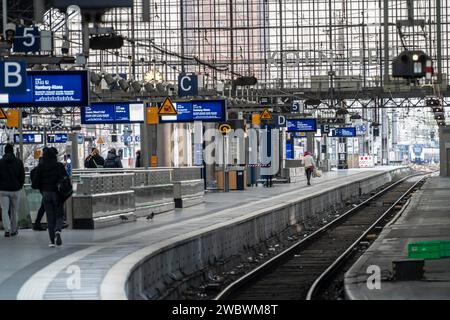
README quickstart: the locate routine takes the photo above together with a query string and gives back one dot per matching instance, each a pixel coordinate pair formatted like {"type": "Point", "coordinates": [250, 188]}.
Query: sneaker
{"type": "Point", "coordinates": [58, 238]}
{"type": "Point", "coordinates": [13, 234]}
{"type": "Point", "coordinates": [51, 245]}
{"type": "Point", "coordinates": [7, 235]}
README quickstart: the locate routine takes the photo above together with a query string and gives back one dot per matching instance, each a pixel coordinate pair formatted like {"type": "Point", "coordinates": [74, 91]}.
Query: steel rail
{"type": "Point", "coordinates": [234, 286]}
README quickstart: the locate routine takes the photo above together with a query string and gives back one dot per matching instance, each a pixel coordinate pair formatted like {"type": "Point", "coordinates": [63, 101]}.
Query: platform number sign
{"type": "Point", "coordinates": [13, 77]}
{"type": "Point", "coordinates": [295, 106]}
{"type": "Point", "coordinates": [27, 39]}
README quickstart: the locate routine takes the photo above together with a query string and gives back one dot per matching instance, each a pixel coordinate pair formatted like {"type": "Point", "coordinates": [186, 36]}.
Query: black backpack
{"type": "Point", "coordinates": [64, 188]}
{"type": "Point", "coordinates": [34, 177]}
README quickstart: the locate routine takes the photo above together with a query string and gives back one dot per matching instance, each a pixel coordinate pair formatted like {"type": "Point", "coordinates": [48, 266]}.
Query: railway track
{"type": "Point", "coordinates": [302, 270]}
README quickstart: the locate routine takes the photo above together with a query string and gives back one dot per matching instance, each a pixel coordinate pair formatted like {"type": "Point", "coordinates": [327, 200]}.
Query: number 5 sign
{"type": "Point", "coordinates": [27, 39]}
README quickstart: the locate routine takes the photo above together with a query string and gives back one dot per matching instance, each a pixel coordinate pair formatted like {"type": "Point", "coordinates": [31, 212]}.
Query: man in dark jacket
{"type": "Point", "coordinates": [138, 159]}
{"type": "Point", "coordinates": [12, 178]}
{"type": "Point", "coordinates": [46, 178]}
{"type": "Point", "coordinates": [94, 160]}
{"type": "Point", "coordinates": [113, 160]}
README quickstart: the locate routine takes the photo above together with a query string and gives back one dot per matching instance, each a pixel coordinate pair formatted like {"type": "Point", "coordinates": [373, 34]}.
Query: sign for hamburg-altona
{"type": "Point", "coordinates": [198, 110]}
{"type": "Point", "coordinates": [49, 89]}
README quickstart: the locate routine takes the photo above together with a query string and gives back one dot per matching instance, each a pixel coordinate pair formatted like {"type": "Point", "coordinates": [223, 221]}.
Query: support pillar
{"type": "Point", "coordinates": [164, 144]}
{"type": "Point", "coordinates": [444, 150]}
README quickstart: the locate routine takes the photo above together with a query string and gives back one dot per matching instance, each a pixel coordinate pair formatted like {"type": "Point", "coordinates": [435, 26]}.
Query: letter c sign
{"type": "Point", "coordinates": [187, 84]}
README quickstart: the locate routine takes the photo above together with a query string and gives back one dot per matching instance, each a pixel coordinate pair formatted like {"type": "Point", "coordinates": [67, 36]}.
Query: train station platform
{"type": "Point", "coordinates": [426, 218]}
{"type": "Point", "coordinates": [132, 259]}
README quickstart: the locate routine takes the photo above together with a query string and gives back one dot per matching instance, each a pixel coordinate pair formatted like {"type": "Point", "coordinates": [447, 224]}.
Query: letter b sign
{"type": "Point", "coordinates": [13, 77]}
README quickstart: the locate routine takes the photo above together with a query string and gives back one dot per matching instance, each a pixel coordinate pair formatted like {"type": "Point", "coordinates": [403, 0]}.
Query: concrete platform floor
{"type": "Point", "coordinates": [426, 218]}
{"type": "Point", "coordinates": [29, 269]}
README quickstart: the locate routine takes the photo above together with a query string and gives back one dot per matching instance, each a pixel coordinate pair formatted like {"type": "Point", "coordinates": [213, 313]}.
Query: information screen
{"type": "Point", "coordinates": [345, 132]}
{"type": "Point", "coordinates": [57, 138]}
{"type": "Point", "coordinates": [208, 110]}
{"type": "Point", "coordinates": [198, 110]}
{"type": "Point", "coordinates": [28, 138]}
{"type": "Point", "coordinates": [301, 125]}
{"type": "Point", "coordinates": [113, 112]}
{"type": "Point", "coordinates": [52, 89]}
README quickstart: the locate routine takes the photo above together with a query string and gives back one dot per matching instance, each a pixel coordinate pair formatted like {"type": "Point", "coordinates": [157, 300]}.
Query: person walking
{"type": "Point", "coordinates": [94, 160]}
{"type": "Point", "coordinates": [37, 226]}
{"type": "Point", "coordinates": [308, 161]}
{"type": "Point", "coordinates": [48, 173]}
{"type": "Point", "coordinates": [12, 179]}
{"type": "Point", "coordinates": [138, 159]}
{"type": "Point", "coordinates": [113, 160]}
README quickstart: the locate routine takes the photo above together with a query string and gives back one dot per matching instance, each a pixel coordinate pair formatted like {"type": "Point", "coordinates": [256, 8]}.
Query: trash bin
{"type": "Point", "coordinates": [240, 177]}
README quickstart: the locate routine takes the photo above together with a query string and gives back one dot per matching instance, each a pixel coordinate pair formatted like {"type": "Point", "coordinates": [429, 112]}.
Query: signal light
{"type": "Point", "coordinates": [245, 81]}
{"type": "Point", "coordinates": [432, 102]}
{"type": "Point", "coordinates": [110, 41]}
{"type": "Point", "coordinates": [410, 64]}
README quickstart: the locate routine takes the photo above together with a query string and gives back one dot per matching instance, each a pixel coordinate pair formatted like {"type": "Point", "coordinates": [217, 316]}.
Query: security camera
{"type": "Point", "coordinates": [65, 47]}
{"type": "Point", "coordinates": [10, 32]}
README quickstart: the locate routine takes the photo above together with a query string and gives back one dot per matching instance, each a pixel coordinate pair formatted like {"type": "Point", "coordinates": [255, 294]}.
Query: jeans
{"type": "Point", "coordinates": [40, 213]}
{"type": "Point", "coordinates": [10, 204]}
{"type": "Point", "coordinates": [55, 211]}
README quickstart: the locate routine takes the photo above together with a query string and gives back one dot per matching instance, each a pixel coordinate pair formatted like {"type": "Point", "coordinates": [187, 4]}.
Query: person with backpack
{"type": "Point", "coordinates": [12, 179]}
{"type": "Point", "coordinates": [52, 180]}
{"type": "Point", "coordinates": [94, 160]}
{"type": "Point", "coordinates": [308, 161]}
{"type": "Point", "coordinates": [113, 160]}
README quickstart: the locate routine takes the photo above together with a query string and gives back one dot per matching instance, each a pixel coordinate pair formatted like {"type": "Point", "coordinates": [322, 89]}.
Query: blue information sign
{"type": "Point", "coordinates": [345, 132]}
{"type": "Point", "coordinates": [198, 110]}
{"type": "Point", "coordinates": [208, 110]}
{"type": "Point", "coordinates": [52, 89]}
{"type": "Point", "coordinates": [302, 125]}
{"type": "Point", "coordinates": [57, 138]}
{"type": "Point", "coordinates": [113, 112]}
{"type": "Point", "coordinates": [28, 138]}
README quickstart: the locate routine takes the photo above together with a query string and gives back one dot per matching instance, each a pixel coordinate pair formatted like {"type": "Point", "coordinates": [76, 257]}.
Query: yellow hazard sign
{"type": "Point", "coordinates": [100, 140]}
{"type": "Point", "coordinates": [167, 108]}
{"type": "Point", "coordinates": [265, 115]}
{"type": "Point", "coordinates": [2, 114]}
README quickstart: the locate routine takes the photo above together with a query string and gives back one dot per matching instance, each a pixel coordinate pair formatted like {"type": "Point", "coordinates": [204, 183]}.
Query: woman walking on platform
{"type": "Point", "coordinates": [309, 166]}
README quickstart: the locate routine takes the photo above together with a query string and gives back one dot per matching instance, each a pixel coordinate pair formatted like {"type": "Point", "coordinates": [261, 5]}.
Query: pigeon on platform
{"type": "Point", "coordinates": [123, 218]}
{"type": "Point", "coordinates": [150, 216]}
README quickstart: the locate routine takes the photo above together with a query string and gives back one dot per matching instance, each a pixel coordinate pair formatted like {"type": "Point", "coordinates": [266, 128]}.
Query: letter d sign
{"type": "Point", "coordinates": [13, 77]}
